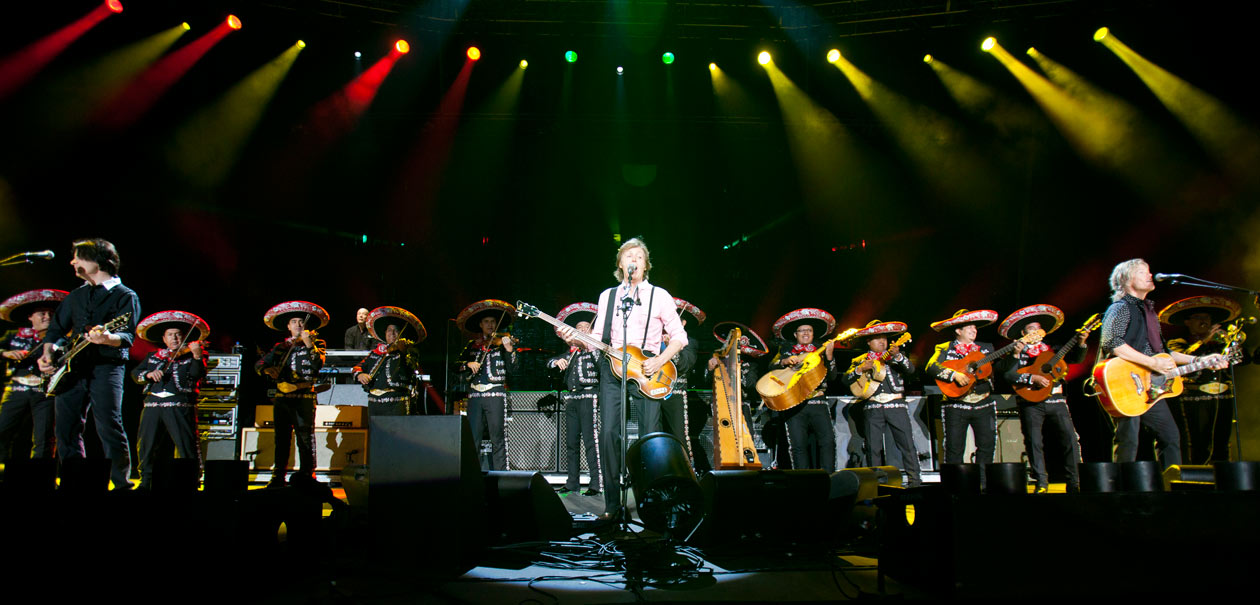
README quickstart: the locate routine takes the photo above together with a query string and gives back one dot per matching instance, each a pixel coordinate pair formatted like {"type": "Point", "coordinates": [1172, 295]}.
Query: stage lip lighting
{"type": "Point", "coordinates": [114, 6]}
{"type": "Point", "coordinates": [524, 64]}
{"type": "Point", "coordinates": [473, 53]}
{"type": "Point", "coordinates": [402, 47]}
{"type": "Point", "coordinates": [833, 55]}
{"type": "Point", "coordinates": [667, 58]}
{"type": "Point", "coordinates": [570, 56]}
{"type": "Point", "coordinates": [233, 22]}
{"type": "Point", "coordinates": [927, 58]}
{"type": "Point", "coordinates": [1101, 33]}
{"type": "Point", "coordinates": [763, 57]}
{"type": "Point", "coordinates": [988, 44]}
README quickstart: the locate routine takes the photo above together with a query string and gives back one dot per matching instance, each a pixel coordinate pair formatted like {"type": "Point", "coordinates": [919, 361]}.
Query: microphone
{"type": "Point", "coordinates": [43, 254]}
{"type": "Point", "coordinates": [1162, 277]}
{"type": "Point", "coordinates": [630, 275]}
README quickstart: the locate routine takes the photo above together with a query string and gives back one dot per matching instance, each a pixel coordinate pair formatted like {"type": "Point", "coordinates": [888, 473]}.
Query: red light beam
{"type": "Point", "coordinates": [17, 69]}
{"type": "Point", "coordinates": [145, 90]}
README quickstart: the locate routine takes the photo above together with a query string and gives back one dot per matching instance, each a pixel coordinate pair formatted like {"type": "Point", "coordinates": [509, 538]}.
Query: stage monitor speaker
{"type": "Point", "coordinates": [428, 498]}
{"type": "Point", "coordinates": [853, 494]}
{"type": "Point", "coordinates": [226, 477]}
{"type": "Point", "coordinates": [177, 475]}
{"type": "Point", "coordinates": [1236, 476]}
{"type": "Point", "coordinates": [524, 508]}
{"type": "Point", "coordinates": [85, 475]}
{"type": "Point", "coordinates": [1184, 477]}
{"type": "Point", "coordinates": [334, 448]}
{"type": "Point", "coordinates": [32, 475]}
{"type": "Point", "coordinates": [766, 507]}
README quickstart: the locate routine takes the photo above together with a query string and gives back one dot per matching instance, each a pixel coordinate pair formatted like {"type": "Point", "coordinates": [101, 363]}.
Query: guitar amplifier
{"type": "Point", "coordinates": [326, 416]}
{"type": "Point", "coordinates": [335, 448]}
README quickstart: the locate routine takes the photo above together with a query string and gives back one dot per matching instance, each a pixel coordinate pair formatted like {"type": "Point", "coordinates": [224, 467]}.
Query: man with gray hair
{"type": "Point", "coordinates": [1131, 332]}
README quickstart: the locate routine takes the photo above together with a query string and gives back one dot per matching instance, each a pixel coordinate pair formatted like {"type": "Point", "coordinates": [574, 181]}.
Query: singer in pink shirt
{"type": "Point", "coordinates": [653, 314]}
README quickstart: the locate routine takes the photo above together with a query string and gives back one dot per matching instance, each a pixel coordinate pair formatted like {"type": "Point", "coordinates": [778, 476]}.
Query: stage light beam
{"type": "Point", "coordinates": [18, 69]}
{"type": "Point", "coordinates": [667, 58]}
{"type": "Point", "coordinates": [988, 44]}
{"type": "Point", "coordinates": [570, 56]}
{"type": "Point", "coordinates": [833, 55]}
{"type": "Point", "coordinates": [402, 47]}
{"type": "Point", "coordinates": [524, 64]}
{"type": "Point", "coordinates": [474, 53]}
{"type": "Point", "coordinates": [114, 6]}
{"type": "Point", "coordinates": [927, 59]}
{"type": "Point", "coordinates": [233, 22]}
{"type": "Point", "coordinates": [763, 58]}
{"type": "Point", "coordinates": [1101, 34]}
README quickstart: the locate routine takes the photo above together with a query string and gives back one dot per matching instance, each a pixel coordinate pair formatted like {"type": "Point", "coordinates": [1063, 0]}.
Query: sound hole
{"type": "Point", "coordinates": [726, 422]}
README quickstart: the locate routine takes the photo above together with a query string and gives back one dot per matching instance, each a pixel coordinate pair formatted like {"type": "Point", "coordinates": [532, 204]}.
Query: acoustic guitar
{"type": "Point", "coordinates": [868, 382]}
{"type": "Point", "coordinates": [785, 388]}
{"type": "Point", "coordinates": [1051, 365]}
{"type": "Point", "coordinates": [979, 367]}
{"type": "Point", "coordinates": [1128, 389]}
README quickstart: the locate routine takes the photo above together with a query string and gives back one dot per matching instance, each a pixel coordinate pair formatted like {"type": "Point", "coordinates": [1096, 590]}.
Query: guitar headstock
{"type": "Point", "coordinates": [117, 322]}
{"type": "Point", "coordinates": [1091, 324]}
{"type": "Point", "coordinates": [1033, 337]}
{"type": "Point", "coordinates": [847, 334]}
{"type": "Point", "coordinates": [525, 309]}
{"type": "Point", "coordinates": [904, 339]}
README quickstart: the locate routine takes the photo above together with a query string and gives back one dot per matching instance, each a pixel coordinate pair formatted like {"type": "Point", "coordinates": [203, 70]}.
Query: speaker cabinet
{"type": "Point", "coordinates": [334, 448]}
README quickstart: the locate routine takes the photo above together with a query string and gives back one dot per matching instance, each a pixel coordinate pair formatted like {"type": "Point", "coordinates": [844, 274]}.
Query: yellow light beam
{"type": "Point", "coordinates": [933, 142]}
{"type": "Point", "coordinates": [206, 147]}
{"type": "Point", "coordinates": [73, 97]}
{"type": "Point", "coordinates": [729, 97]}
{"type": "Point", "coordinates": [1010, 117]}
{"type": "Point", "coordinates": [1103, 129]}
{"type": "Point", "coordinates": [835, 174]}
{"type": "Point", "coordinates": [1230, 140]}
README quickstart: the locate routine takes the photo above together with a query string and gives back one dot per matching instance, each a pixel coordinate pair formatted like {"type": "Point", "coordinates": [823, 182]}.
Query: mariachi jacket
{"type": "Point", "coordinates": [180, 382]}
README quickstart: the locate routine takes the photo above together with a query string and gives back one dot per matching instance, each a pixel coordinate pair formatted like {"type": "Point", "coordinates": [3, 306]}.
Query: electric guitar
{"type": "Point", "coordinates": [977, 366]}
{"type": "Point", "coordinates": [1128, 389]}
{"type": "Point", "coordinates": [62, 364]}
{"type": "Point", "coordinates": [868, 382]}
{"type": "Point", "coordinates": [1051, 365]}
{"type": "Point", "coordinates": [656, 386]}
{"type": "Point", "coordinates": [784, 388]}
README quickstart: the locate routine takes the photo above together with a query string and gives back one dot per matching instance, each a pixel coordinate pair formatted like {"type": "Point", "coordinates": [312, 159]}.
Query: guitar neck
{"type": "Point", "coordinates": [1002, 352]}
{"type": "Point", "coordinates": [1190, 368]}
{"type": "Point", "coordinates": [1063, 351]}
{"type": "Point", "coordinates": [586, 338]}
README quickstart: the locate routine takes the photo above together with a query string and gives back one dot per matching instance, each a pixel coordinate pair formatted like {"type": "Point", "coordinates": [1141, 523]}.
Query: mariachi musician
{"type": "Point", "coordinates": [171, 376]}
{"type": "Point", "coordinates": [1034, 414]}
{"type": "Point", "coordinates": [1206, 407]}
{"type": "Point", "coordinates": [388, 373]}
{"type": "Point", "coordinates": [977, 408]}
{"type": "Point", "coordinates": [24, 397]}
{"type": "Point", "coordinates": [886, 406]}
{"type": "Point", "coordinates": [488, 358]}
{"type": "Point", "coordinates": [811, 417]}
{"type": "Point", "coordinates": [580, 365]}
{"type": "Point", "coordinates": [674, 415]}
{"type": "Point", "coordinates": [293, 364]}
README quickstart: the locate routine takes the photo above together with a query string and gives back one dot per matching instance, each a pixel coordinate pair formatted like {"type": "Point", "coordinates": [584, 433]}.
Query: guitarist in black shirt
{"type": "Point", "coordinates": [97, 380]}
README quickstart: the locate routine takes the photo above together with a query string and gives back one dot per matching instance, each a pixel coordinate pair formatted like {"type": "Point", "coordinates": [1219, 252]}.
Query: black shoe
{"type": "Point", "coordinates": [564, 491]}
{"type": "Point", "coordinates": [276, 482]}
{"type": "Point", "coordinates": [591, 492]}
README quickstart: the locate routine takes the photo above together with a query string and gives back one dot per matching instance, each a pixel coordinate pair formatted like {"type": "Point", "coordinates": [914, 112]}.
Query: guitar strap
{"type": "Point", "coordinates": [608, 313]}
{"type": "Point", "coordinates": [651, 297]}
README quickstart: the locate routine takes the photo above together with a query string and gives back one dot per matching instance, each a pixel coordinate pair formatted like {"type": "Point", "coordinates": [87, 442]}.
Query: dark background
{"type": "Point", "coordinates": [530, 203]}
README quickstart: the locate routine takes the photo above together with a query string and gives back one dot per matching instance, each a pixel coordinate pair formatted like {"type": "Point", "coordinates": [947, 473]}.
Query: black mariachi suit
{"type": "Point", "coordinates": [1206, 408]}
{"type": "Point", "coordinates": [674, 408]}
{"type": "Point", "coordinates": [977, 409]}
{"type": "Point", "coordinates": [811, 416]}
{"type": "Point", "coordinates": [1125, 322]}
{"type": "Point", "coordinates": [295, 412]}
{"type": "Point", "coordinates": [398, 376]}
{"type": "Point", "coordinates": [887, 406]}
{"type": "Point", "coordinates": [488, 408]}
{"type": "Point", "coordinates": [22, 400]}
{"type": "Point", "coordinates": [171, 402]}
{"type": "Point", "coordinates": [581, 378]}
{"type": "Point", "coordinates": [1033, 415]}
{"type": "Point", "coordinates": [97, 380]}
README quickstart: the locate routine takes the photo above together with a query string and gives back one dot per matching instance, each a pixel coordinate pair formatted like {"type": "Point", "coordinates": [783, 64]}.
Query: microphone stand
{"type": "Point", "coordinates": [1190, 280]}
{"type": "Point", "coordinates": [623, 481]}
